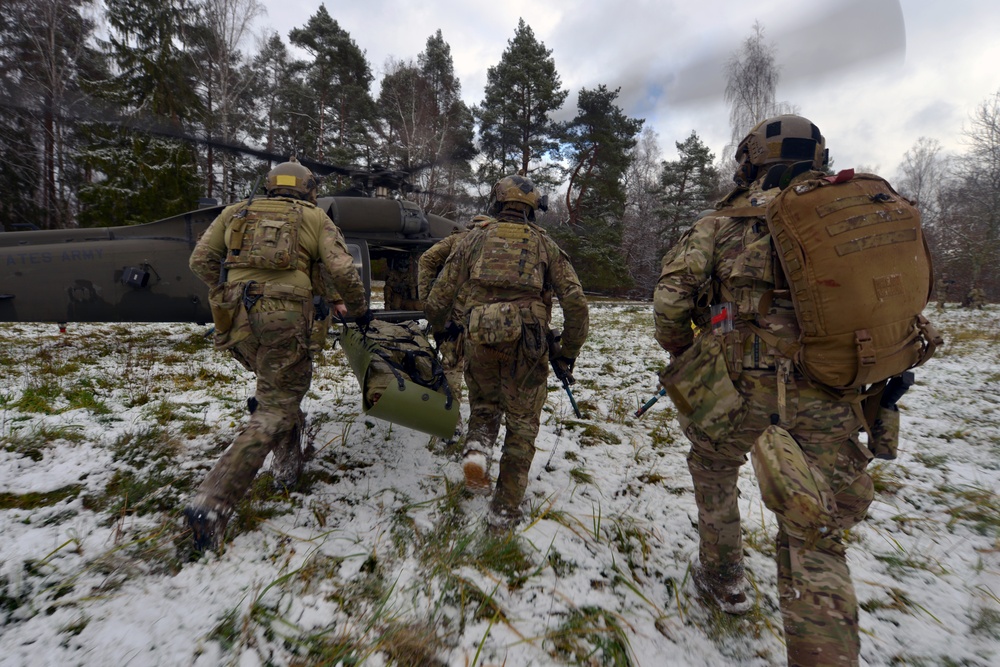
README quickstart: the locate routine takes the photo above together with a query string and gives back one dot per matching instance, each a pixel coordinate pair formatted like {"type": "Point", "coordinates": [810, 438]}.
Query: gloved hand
{"type": "Point", "coordinates": [321, 309]}
{"type": "Point", "coordinates": [364, 321]}
{"type": "Point", "coordinates": [450, 332]}
{"type": "Point", "coordinates": [563, 366]}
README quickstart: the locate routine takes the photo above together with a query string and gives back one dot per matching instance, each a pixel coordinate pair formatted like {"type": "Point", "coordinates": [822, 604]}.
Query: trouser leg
{"type": "Point", "coordinates": [716, 494]}
{"type": "Point", "coordinates": [818, 604]}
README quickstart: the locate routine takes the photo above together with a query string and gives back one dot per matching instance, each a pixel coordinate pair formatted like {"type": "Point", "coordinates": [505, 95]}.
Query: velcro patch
{"type": "Point", "coordinates": [284, 179]}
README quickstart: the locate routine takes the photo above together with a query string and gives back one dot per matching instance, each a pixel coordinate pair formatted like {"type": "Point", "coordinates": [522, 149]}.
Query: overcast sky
{"type": "Point", "coordinates": [874, 75]}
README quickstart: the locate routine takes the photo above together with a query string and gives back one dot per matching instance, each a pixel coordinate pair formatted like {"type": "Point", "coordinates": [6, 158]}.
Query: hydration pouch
{"type": "Point", "coordinates": [885, 434]}
{"type": "Point", "coordinates": [232, 324]}
{"type": "Point", "coordinates": [791, 487]}
{"type": "Point", "coordinates": [699, 384]}
{"type": "Point", "coordinates": [495, 324]}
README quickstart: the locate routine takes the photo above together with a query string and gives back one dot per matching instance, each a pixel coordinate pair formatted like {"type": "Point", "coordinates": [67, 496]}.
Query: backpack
{"type": "Point", "coordinates": [859, 272]}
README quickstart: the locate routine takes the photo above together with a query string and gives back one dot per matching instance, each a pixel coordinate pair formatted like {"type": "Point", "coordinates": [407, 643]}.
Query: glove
{"type": "Point", "coordinates": [364, 321]}
{"type": "Point", "coordinates": [321, 309]}
{"type": "Point", "coordinates": [563, 366]}
{"type": "Point", "coordinates": [450, 332]}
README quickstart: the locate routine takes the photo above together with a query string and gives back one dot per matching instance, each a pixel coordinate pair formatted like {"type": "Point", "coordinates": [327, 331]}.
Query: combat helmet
{"type": "Point", "coordinates": [784, 139]}
{"type": "Point", "coordinates": [291, 179]}
{"type": "Point", "coordinates": [517, 193]}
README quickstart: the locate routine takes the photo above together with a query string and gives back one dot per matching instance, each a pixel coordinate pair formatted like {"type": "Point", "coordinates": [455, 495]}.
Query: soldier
{"type": "Point", "coordinates": [450, 344]}
{"type": "Point", "coordinates": [729, 260]}
{"type": "Point", "coordinates": [504, 269]}
{"type": "Point", "coordinates": [257, 256]}
{"type": "Point", "coordinates": [976, 298]}
{"type": "Point", "coordinates": [400, 290]}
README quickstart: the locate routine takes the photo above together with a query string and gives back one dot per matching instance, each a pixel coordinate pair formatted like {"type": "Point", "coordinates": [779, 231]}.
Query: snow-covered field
{"type": "Point", "coordinates": [379, 558]}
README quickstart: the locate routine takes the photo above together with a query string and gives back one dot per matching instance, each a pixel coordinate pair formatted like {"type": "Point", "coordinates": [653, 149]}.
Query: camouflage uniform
{"type": "Point", "coordinates": [431, 263]}
{"type": "Point", "coordinates": [400, 289]}
{"type": "Point", "coordinates": [725, 259]}
{"type": "Point", "coordinates": [277, 347]}
{"type": "Point", "coordinates": [976, 298]}
{"type": "Point", "coordinates": [509, 380]}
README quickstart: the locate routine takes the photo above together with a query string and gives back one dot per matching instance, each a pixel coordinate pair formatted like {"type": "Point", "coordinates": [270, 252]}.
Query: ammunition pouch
{"type": "Point", "coordinates": [885, 434]}
{"type": "Point", "coordinates": [699, 384]}
{"type": "Point", "coordinates": [496, 324]}
{"type": "Point", "coordinates": [232, 324]}
{"type": "Point", "coordinates": [791, 487]}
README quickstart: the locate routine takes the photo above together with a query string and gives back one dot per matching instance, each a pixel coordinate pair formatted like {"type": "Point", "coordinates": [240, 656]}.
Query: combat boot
{"type": "Point", "coordinates": [476, 467]}
{"type": "Point", "coordinates": [726, 587]}
{"type": "Point", "coordinates": [287, 459]}
{"type": "Point", "coordinates": [208, 527]}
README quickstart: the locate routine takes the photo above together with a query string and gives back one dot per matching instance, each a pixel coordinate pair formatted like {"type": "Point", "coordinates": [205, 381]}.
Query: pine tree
{"type": "Point", "coordinates": [517, 132]}
{"type": "Point", "coordinates": [425, 125]}
{"type": "Point", "coordinates": [138, 175]}
{"type": "Point", "coordinates": [687, 187]}
{"type": "Point", "coordinates": [339, 76]}
{"type": "Point", "coordinates": [44, 56]}
{"type": "Point", "coordinates": [599, 144]}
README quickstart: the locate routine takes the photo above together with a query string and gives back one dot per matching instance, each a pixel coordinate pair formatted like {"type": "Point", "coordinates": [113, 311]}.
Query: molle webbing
{"type": "Point", "coordinates": [859, 273]}
{"type": "Point", "coordinates": [265, 235]}
{"type": "Point", "coordinates": [512, 257]}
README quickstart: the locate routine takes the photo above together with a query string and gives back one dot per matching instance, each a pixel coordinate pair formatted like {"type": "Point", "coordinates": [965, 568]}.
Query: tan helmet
{"type": "Point", "coordinates": [519, 193]}
{"type": "Point", "coordinates": [291, 179]}
{"type": "Point", "coordinates": [785, 139]}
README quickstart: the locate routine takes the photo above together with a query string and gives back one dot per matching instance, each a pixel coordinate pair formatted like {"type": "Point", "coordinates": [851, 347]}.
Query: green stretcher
{"type": "Point", "coordinates": [387, 391]}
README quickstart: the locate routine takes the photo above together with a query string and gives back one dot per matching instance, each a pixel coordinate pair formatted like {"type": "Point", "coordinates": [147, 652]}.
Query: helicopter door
{"type": "Point", "coordinates": [362, 262]}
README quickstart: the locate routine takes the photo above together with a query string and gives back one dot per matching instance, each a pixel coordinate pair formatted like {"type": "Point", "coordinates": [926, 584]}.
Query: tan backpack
{"type": "Point", "coordinates": [859, 273]}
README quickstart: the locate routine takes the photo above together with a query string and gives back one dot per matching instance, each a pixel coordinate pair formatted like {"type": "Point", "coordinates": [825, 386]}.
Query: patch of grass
{"type": "Point", "coordinates": [986, 623]}
{"type": "Point", "coordinates": [82, 396]}
{"type": "Point", "coordinates": [900, 563]}
{"type": "Point", "coordinates": [976, 505]}
{"type": "Point", "coordinates": [38, 398]}
{"type": "Point", "coordinates": [886, 479]}
{"type": "Point", "coordinates": [581, 476]}
{"type": "Point", "coordinates": [594, 435]}
{"type": "Point", "coordinates": [592, 636]}
{"type": "Point", "coordinates": [33, 442]}
{"type": "Point", "coordinates": [36, 499]}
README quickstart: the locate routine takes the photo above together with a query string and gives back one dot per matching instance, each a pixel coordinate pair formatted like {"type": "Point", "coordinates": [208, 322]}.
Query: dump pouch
{"type": "Point", "coordinates": [699, 384]}
{"type": "Point", "coordinates": [496, 323]}
{"type": "Point", "coordinates": [791, 487]}
{"type": "Point", "coordinates": [232, 324]}
{"type": "Point", "coordinates": [885, 433]}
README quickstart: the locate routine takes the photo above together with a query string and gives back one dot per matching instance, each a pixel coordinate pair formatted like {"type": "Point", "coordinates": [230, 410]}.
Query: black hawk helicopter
{"type": "Point", "coordinates": [140, 273]}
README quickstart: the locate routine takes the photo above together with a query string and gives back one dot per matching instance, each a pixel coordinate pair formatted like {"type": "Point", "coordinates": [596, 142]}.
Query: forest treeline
{"type": "Point", "coordinates": [124, 112]}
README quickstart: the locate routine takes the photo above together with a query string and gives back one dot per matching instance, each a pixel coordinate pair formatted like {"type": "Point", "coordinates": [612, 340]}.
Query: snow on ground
{"type": "Point", "coordinates": [380, 558]}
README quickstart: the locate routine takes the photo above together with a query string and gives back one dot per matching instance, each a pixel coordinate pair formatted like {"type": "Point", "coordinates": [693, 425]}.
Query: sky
{"type": "Point", "coordinates": [873, 75]}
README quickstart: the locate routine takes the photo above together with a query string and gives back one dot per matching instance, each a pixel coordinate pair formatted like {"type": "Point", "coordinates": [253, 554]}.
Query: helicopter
{"type": "Point", "coordinates": [140, 273]}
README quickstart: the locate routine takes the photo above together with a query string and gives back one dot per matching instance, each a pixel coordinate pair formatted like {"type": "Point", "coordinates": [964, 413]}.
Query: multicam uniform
{"type": "Point", "coordinates": [400, 291]}
{"type": "Point", "coordinates": [504, 269]}
{"type": "Point", "coordinates": [431, 263]}
{"type": "Point", "coordinates": [725, 259]}
{"type": "Point", "coordinates": [272, 337]}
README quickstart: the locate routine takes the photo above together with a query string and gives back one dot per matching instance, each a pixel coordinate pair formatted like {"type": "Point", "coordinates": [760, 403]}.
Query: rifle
{"type": "Point", "coordinates": [648, 404]}
{"type": "Point", "coordinates": [562, 370]}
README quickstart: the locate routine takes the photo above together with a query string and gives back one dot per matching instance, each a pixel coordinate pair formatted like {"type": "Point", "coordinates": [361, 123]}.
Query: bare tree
{"type": "Point", "coordinates": [640, 223]}
{"type": "Point", "coordinates": [227, 25]}
{"type": "Point", "coordinates": [968, 235]}
{"type": "Point", "coordinates": [751, 85]}
{"type": "Point", "coordinates": [920, 177]}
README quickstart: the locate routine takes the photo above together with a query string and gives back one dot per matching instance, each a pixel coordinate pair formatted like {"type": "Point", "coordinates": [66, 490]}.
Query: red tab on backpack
{"type": "Point", "coordinates": [842, 176]}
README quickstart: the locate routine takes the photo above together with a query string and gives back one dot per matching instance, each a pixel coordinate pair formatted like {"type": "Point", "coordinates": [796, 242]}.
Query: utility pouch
{"type": "Point", "coordinates": [791, 487]}
{"type": "Point", "coordinates": [885, 434]}
{"type": "Point", "coordinates": [699, 385]}
{"type": "Point", "coordinates": [232, 324]}
{"type": "Point", "coordinates": [495, 324]}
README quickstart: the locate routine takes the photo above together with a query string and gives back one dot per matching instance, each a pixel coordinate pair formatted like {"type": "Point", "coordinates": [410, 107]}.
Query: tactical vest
{"type": "Point", "coordinates": [265, 235]}
{"type": "Point", "coordinates": [512, 257]}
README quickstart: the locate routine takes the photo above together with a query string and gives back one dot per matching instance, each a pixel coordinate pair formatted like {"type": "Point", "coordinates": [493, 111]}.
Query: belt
{"type": "Point", "coordinates": [278, 291]}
